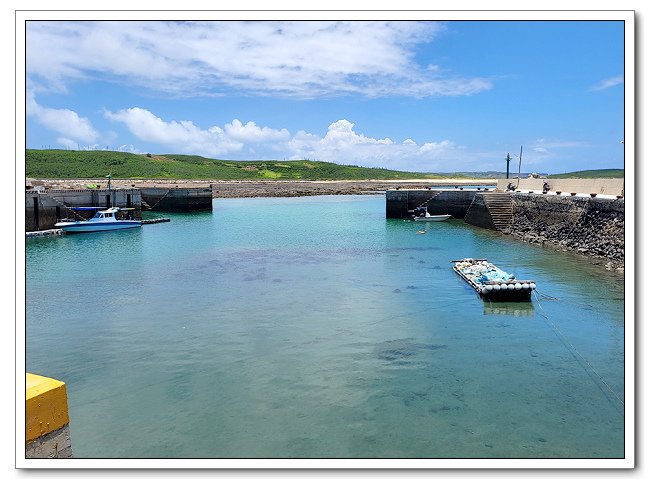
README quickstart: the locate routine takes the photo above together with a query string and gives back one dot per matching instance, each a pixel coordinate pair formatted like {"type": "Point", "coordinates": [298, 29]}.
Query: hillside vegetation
{"type": "Point", "coordinates": [610, 173]}
{"type": "Point", "coordinates": [58, 163]}
{"type": "Point", "coordinates": [98, 164]}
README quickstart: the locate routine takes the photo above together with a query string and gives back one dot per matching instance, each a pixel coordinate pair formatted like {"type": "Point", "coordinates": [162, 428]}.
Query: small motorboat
{"type": "Point", "coordinates": [103, 220]}
{"type": "Point", "coordinates": [429, 218]}
{"type": "Point", "coordinates": [491, 282]}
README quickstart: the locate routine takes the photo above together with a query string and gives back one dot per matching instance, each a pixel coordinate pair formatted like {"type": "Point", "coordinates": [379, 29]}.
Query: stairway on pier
{"type": "Point", "coordinates": [500, 207]}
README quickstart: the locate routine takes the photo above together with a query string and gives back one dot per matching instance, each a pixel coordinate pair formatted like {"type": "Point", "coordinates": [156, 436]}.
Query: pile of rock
{"type": "Point", "coordinates": [592, 227]}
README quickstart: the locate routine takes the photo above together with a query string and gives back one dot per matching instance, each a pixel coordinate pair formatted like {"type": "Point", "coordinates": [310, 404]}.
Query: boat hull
{"type": "Point", "coordinates": [443, 217]}
{"type": "Point", "coordinates": [89, 227]}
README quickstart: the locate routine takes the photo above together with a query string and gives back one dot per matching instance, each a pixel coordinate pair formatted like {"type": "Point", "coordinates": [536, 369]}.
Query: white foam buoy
{"type": "Point", "coordinates": [532, 285]}
{"type": "Point", "coordinates": [489, 288]}
{"type": "Point", "coordinates": [504, 286]}
{"type": "Point", "coordinates": [517, 286]}
{"type": "Point", "coordinates": [525, 286]}
{"type": "Point", "coordinates": [484, 290]}
{"type": "Point", "coordinates": [511, 286]}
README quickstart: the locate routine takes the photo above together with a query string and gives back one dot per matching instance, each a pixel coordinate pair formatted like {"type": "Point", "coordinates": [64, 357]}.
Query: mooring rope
{"type": "Point", "coordinates": [67, 208]}
{"type": "Point", "coordinates": [584, 363]}
{"type": "Point", "coordinates": [160, 199]}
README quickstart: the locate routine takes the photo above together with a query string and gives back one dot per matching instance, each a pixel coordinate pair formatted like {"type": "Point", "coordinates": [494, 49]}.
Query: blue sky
{"type": "Point", "coordinates": [424, 96]}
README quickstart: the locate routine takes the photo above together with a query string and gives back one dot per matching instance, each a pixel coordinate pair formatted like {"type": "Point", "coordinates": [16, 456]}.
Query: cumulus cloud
{"type": "Point", "coordinates": [607, 83]}
{"type": "Point", "coordinates": [304, 59]}
{"type": "Point", "coordinates": [342, 144]}
{"type": "Point", "coordinates": [183, 136]}
{"type": "Point", "coordinates": [65, 122]}
{"type": "Point", "coordinates": [67, 143]}
{"type": "Point", "coordinates": [252, 133]}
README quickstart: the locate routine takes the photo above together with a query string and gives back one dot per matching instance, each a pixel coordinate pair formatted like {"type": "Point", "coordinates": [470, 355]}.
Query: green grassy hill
{"type": "Point", "coordinates": [56, 163]}
{"type": "Point", "coordinates": [97, 164]}
{"type": "Point", "coordinates": [610, 173]}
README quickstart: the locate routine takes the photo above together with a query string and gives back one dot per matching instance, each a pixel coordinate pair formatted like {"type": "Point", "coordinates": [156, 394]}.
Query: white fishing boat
{"type": "Point", "coordinates": [103, 220]}
{"type": "Point", "coordinates": [432, 218]}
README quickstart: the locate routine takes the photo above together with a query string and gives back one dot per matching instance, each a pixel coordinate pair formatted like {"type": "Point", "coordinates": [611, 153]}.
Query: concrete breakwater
{"type": "Point", "coordinates": [401, 203]}
{"type": "Point", "coordinates": [589, 226]}
{"type": "Point", "coordinates": [43, 208]}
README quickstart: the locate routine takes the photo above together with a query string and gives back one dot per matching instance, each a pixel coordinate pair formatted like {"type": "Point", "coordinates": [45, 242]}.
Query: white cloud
{"type": "Point", "coordinates": [252, 133]}
{"type": "Point", "coordinates": [542, 145]}
{"type": "Point", "coordinates": [67, 143]}
{"type": "Point", "coordinates": [183, 136]}
{"type": "Point", "coordinates": [300, 59]}
{"type": "Point", "coordinates": [66, 122]}
{"type": "Point", "coordinates": [607, 83]}
{"type": "Point", "coordinates": [342, 144]}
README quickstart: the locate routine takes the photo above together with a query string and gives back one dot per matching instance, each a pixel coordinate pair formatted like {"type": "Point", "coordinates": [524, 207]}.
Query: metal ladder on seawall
{"type": "Point", "coordinates": [500, 207]}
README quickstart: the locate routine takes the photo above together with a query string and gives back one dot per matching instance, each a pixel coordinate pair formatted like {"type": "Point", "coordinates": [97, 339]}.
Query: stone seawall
{"type": "Point", "coordinates": [589, 226]}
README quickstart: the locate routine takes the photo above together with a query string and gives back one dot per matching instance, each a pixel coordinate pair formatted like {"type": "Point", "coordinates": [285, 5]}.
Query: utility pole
{"type": "Point", "coordinates": [508, 160]}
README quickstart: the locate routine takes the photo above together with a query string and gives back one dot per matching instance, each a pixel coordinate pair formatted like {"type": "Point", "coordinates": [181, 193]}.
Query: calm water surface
{"type": "Point", "coordinates": [314, 327]}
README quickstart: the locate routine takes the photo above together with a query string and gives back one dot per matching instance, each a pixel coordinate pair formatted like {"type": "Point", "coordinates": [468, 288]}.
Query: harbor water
{"type": "Point", "coordinates": [314, 327]}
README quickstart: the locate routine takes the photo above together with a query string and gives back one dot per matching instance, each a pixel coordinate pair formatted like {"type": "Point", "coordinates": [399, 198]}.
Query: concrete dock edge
{"type": "Point", "coordinates": [47, 433]}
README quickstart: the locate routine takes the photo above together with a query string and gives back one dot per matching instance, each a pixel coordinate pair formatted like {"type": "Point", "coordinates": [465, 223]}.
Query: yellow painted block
{"type": "Point", "coordinates": [46, 406]}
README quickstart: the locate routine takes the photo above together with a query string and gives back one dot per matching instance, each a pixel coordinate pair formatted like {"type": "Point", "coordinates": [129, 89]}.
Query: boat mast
{"type": "Point", "coordinates": [521, 150]}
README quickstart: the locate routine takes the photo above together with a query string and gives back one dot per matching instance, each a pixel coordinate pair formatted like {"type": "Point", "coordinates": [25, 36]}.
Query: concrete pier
{"type": "Point", "coordinates": [400, 203]}
{"type": "Point", "coordinates": [586, 186]}
{"type": "Point", "coordinates": [43, 209]}
{"type": "Point", "coordinates": [176, 199]}
{"type": "Point", "coordinates": [47, 433]}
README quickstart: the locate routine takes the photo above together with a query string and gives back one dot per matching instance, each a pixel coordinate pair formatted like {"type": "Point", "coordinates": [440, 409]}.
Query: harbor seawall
{"type": "Point", "coordinates": [589, 226]}
{"type": "Point", "coordinates": [177, 199]}
{"type": "Point", "coordinates": [454, 202]}
{"type": "Point", "coordinates": [607, 186]}
{"type": "Point", "coordinates": [43, 209]}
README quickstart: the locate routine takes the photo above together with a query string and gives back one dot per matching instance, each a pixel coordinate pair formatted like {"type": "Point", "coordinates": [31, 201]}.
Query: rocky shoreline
{"type": "Point", "coordinates": [265, 188]}
{"type": "Point", "coordinates": [593, 228]}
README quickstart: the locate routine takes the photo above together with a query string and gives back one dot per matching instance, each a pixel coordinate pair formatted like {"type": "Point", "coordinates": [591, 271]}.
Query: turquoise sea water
{"type": "Point", "coordinates": [314, 327]}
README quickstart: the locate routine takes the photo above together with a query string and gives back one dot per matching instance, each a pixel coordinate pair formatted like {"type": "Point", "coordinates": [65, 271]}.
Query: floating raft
{"type": "Point", "coordinates": [155, 221]}
{"type": "Point", "coordinates": [492, 283]}
{"type": "Point", "coordinates": [43, 234]}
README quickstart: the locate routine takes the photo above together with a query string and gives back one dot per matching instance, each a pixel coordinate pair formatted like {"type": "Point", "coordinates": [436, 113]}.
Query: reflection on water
{"type": "Point", "coordinates": [314, 327]}
{"type": "Point", "coordinates": [509, 308]}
